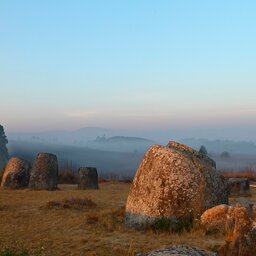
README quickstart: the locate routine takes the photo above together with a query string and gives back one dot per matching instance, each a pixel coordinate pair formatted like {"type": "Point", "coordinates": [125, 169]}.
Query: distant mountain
{"type": "Point", "coordinates": [78, 137]}
{"type": "Point", "coordinates": [124, 140]}
{"type": "Point", "coordinates": [122, 155]}
{"type": "Point", "coordinates": [88, 137]}
{"type": "Point", "coordinates": [120, 144]}
{"type": "Point", "coordinates": [129, 139]}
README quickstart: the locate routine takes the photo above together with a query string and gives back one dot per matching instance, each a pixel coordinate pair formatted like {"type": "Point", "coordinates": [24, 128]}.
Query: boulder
{"type": "Point", "coordinates": [88, 178]}
{"type": "Point", "coordinates": [215, 218]}
{"type": "Point", "coordinates": [238, 186]}
{"type": "Point", "coordinates": [172, 185]}
{"type": "Point", "coordinates": [235, 222]}
{"type": "Point", "coordinates": [178, 250]}
{"type": "Point", "coordinates": [16, 174]}
{"type": "Point", "coordinates": [44, 173]}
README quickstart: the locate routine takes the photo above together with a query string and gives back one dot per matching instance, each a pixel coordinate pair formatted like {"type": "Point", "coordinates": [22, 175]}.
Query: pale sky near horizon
{"type": "Point", "coordinates": [133, 64]}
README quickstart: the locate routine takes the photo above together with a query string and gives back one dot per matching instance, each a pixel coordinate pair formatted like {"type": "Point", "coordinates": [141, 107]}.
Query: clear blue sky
{"type": "Point", "coordinates": [136, 64]}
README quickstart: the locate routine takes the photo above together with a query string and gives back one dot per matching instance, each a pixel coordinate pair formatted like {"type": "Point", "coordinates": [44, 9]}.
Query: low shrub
{"type": "Point", "coordinates": [71, 203]}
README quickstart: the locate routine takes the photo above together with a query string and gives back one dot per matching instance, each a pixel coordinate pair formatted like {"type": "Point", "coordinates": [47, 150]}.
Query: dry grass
{"type": "Point", "coordinates": [70, 203]}
{"type": "Point", "coordinates": [67, 177]}
{"type": "Point", "coordinates": [248, 172]}
{"type": "Point", "coordinates": [27, 221]}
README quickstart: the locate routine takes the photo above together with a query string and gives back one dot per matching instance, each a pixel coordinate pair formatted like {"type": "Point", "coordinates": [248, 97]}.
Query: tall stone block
{"type": "Point", "coordinates": [16, 174]}
{"type": "Point", "coordinates": [44, 173]}
{"type": "Point", "coordinates": [88, 178]}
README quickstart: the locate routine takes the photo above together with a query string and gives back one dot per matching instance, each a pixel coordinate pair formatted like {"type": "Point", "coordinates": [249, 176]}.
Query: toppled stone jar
{"type": "Point", "coordinates": [173, 185]}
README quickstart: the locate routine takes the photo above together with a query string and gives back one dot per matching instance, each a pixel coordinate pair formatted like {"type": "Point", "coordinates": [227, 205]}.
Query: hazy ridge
{"type": "Point", "coordinates": [117, 154]}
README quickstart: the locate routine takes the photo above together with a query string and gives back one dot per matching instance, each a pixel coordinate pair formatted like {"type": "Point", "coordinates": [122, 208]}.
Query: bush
{"type": "Point", "coordinates": [225, 154]}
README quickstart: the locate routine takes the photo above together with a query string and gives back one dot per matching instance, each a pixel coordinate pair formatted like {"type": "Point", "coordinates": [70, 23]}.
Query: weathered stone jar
{"type": "Point", "coordinates": [88, 178]}
{"type": "Point", "coordinates": [239, 187]}
{"type": "Point", "coordinates": [173, 184]}
{"type": "Point", "coordinates": [44, 173]}
{"type": "Point", "coordinates": [16, 174]}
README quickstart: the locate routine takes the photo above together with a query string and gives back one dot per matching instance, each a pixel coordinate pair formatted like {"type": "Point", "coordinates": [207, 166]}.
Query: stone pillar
{"type": "Point", "coordinates": [88, 178]}
{"type": "Point", "coordinates": [44, 173]}
{"type": "Point", "coordinates": [16, 173]}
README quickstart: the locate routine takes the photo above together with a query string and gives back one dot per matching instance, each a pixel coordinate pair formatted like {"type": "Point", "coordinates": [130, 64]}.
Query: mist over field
{"type": "Point", "coordinates": [119, 152]}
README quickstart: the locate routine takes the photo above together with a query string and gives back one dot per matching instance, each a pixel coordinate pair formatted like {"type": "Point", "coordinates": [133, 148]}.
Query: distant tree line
{"type": "Point", "coordinates": [4, 155]}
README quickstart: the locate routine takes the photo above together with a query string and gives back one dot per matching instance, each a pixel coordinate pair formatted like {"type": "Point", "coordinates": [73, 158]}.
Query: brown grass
{"type": "Point", "coordinates": [98, 229]}
{"type": "Point", "coordinates": [248, 172]}
{"type": "Point", "coordinates": [67, 177]}
{"type": "Point", "coordinates": [70, 203]}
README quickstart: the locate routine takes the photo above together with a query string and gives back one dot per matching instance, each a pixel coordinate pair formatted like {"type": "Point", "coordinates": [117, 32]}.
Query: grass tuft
{"type": "Point", "coordinates": [71, 203]}
{"type": "Point", "coordinates": [11, 251]}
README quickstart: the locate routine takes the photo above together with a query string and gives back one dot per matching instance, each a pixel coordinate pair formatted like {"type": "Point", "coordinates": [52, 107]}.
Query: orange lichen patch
{"type": "Point", "coordinates": [242, 222]}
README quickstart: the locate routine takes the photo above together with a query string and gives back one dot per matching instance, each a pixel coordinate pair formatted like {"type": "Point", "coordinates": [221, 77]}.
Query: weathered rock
{"type": "Point", "coordinates": [178, 250]}
{"type": "Point", "coordinates": [238, 186]}
{"type": "Point", "coordinates": [248, 204]}
{"type": "Point", "coordinates": [235, 222]}
{"type": "Point", "coordinates": [44, 173]}
{"type": "Point", "coordinates": [215, 219]}
{"type": "Point", "coordinates": [88, 178]}
{"type": "Point", "coordinates": [16, 173]}
{"type": "Point", "coordinates": [173, 185]}
{"type": "Point", "coordinates": [251, 238]}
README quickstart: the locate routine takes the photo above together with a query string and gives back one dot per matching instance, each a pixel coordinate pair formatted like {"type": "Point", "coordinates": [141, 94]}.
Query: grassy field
{"type": "Point", "coordinates": [81, 222]}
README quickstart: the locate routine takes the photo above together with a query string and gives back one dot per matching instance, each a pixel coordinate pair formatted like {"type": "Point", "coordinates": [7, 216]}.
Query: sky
{"type": "Point", "coordinates": [136, 64]}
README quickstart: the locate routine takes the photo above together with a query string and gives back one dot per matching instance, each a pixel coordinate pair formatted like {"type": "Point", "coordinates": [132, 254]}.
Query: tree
{"type": "Point", "coordinates": [4, 156]}
{"type": "Point", "coordinates": [225, 154]}
{"type": "Point", "coordinates": [203, 150]}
